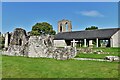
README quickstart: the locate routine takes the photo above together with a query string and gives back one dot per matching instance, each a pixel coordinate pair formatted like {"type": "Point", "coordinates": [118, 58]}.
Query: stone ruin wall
{"type": "Point", "coordinates": [21, 44]}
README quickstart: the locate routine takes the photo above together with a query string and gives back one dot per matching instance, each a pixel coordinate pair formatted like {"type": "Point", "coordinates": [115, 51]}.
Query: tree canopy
{"type": "Point", "coordinates": [91, 28]}
{"type": "Point", "coordinates": [42, 28]}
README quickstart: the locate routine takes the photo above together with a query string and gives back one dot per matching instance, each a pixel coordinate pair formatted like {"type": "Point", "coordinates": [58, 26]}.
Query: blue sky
{"type": "Point", "coordinates": [82, 14]}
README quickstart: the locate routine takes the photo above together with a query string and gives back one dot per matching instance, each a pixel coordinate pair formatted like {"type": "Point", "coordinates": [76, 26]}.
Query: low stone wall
{"type": "Point", "coordinates": [91, 51]}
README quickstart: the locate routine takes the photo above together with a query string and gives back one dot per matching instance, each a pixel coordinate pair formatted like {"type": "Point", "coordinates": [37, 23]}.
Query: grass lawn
{"type": "Point", "coordinates": [112, 52]}
{"type": "Point", "coordinates": [95, 56]}
{"type": "Point", "coordinates": [108, 49]}
{"type": "Point", "coordinates": [0, 65]}
{"type": "Point", "coordinates": [22, 67]}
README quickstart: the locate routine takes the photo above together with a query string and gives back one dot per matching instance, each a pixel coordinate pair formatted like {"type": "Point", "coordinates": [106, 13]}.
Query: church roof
{"type": "Point", "coordinates": [87, 34]}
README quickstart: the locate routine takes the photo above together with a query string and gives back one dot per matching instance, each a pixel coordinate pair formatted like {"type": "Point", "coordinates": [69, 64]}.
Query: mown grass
{"type": "Point", "coordinates": [108, 49]}
{"type": "Point", "coordinates": [0, 64]}
{"type": "Point", "coordinates": [22, 67]}
{"type": "Point", "coordinates": [111, 51]}
{"type": "Point", "coordinates": [96, 56]}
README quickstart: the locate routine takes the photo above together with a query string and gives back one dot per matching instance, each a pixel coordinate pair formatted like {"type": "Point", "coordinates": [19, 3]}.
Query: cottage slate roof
{"type": "Point", "coordinates": [87, 34]}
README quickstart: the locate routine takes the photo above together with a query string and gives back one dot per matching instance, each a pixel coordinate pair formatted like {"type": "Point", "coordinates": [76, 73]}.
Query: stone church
{"type": "Point", "coordinates": [66, 37]}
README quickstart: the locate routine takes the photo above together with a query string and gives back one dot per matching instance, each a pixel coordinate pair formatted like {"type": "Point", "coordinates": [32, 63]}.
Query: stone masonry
{"type": "Point", "coordinates": [62, 26]}
{"type": "Point", "coordinates": [36, 46]}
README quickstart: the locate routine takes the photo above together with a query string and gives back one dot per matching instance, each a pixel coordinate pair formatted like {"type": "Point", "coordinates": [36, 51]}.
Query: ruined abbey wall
{"type": "Point", "coordinates": [20, 44]}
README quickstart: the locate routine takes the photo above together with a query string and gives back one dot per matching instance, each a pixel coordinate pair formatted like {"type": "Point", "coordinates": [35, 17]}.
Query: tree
{"type": "Point", "coordinates": [91, 28]}
{"type": "Point", "coordinates": [42, 28]}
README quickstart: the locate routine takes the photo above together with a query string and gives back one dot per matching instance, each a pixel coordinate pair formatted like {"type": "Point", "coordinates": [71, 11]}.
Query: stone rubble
{"type": "Point", "coordinates": [64, 53]}
{"type": "Point", "coordinates": [90, 59]}
{"type": "Point", "coordinates": [91, 51]}
{"type": "Point", "coordinates": [107, 58]}
{"type": "Point", "coordinates": [112, 58]}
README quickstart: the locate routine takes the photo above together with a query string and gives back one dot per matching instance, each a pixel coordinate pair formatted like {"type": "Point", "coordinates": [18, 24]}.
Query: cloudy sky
{"type": "Point", "coordinates": [82, 14]}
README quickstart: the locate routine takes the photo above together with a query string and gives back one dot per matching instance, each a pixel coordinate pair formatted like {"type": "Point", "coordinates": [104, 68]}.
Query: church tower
{"type": "Point", "coordinates": [64, 26]}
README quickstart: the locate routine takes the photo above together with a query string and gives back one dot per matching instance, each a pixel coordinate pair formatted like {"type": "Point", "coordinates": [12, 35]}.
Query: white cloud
{"type": "Point", "coordinates": [92, 13]}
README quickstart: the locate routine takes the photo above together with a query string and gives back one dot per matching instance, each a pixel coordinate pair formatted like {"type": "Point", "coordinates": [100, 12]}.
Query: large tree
{"type": "Point", "coordinates": [42, 28]}
{"type": "Point", "coordinates": [91, 28]}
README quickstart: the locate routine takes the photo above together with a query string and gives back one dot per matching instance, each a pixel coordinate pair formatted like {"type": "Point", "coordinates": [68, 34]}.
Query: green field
{"type": "Point", "coordinates": [22, 67]}
{"type": "Point", "coordinates": [95, 56]}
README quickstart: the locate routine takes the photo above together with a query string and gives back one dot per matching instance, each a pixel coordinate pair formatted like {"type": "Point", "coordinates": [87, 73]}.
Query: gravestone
{"type": "Point", "coordinates": [74, 43]}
